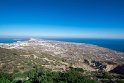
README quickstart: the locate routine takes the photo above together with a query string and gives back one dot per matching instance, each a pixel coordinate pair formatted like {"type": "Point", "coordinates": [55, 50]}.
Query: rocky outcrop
{"type": "Point", "coordinates": [119, 69]}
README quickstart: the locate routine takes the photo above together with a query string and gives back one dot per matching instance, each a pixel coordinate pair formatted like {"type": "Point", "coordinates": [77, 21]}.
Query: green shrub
{"type": "Point", "coordinates": [120, 81]}
{"type": "Point", "coordinates": [4, 80]}
{"type": "Point", "coordinates": [40, 75]}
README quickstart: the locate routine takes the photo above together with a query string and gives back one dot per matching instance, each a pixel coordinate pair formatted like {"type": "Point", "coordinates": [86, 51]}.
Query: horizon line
{"type": "Point", "coordinates": [5, 36]}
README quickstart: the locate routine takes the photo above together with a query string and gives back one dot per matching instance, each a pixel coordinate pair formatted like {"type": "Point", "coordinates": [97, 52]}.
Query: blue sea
{"type": "Point", "coordinates": [114, 44]}
{"type": "Point", "coordinates": [12, 40]}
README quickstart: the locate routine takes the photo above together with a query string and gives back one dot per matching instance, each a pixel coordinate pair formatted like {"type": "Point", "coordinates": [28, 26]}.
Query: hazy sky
{"type": "Point", "coordinates": [65, 18]}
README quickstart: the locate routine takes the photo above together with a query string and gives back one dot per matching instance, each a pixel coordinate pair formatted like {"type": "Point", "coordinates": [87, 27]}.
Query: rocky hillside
{"type": "Point", "coordinates": [58, 56]}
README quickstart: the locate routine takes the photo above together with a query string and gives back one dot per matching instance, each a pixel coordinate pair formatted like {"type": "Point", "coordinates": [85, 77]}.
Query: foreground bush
{"type": "Point", "coordinates": [40, 75]}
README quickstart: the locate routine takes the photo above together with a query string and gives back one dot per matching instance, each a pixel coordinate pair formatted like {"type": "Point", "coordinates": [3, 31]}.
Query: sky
{"type": "Point", "coordinates": [62, 18]}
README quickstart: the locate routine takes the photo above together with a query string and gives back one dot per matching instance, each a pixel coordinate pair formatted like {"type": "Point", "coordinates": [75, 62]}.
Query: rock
{"type": "Point", "coordinates": [119, 69]}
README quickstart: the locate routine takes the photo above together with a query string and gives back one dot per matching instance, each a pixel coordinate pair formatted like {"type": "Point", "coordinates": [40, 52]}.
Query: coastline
{"type": "Point", "coordinates": [113, 44]}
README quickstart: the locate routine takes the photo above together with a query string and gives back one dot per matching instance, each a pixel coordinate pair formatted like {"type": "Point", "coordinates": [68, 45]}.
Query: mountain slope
{"type": "Point", "coordinates": [58, 56]}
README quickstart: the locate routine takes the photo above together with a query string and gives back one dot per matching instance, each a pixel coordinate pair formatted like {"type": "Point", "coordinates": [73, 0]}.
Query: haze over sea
{"type": "Point", "coordinates": [114, 44]}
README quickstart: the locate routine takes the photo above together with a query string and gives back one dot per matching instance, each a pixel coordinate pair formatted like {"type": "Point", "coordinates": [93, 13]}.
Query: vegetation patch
{"type": "Point", "coordinates": [41, 75]}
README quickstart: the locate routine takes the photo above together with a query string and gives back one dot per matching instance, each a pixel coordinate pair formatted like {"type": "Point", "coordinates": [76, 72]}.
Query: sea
{"type": "Point", "coordinates": [114, 44]}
